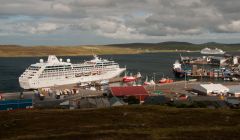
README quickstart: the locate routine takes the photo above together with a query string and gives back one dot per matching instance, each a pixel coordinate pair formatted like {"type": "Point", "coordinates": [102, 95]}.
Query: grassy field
{"type": "Point", "coordinates": [20, 51]}
{"type": "Point", "coordinates": [129, 122]}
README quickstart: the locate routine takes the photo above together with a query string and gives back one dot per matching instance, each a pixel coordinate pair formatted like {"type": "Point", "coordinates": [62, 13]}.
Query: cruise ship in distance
{"type": "Point", "coordinates": [212, 51]}
{"type": "Point", "coordinates": [55, 72]}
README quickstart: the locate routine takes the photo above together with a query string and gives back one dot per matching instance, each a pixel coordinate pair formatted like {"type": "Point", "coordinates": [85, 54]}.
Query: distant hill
{"type": "Point", "coordinates": [173, 45]}
{"type": "Point", "coordinates": [130, 48]}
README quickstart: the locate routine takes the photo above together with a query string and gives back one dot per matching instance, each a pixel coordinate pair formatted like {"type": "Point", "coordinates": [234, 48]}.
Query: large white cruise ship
{"type": "Point", "coordinates": [212, 51]}
{"type": "Point", "coordinates": [55, 72]}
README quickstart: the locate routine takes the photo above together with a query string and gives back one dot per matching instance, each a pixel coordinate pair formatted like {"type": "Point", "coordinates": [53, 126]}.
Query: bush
{"type": "Point", "coordinates": [133, 100]}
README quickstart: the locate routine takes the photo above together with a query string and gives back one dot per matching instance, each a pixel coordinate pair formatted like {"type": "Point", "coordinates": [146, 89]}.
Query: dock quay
{"type": "Point", "coordinates": [225, 67]}
{"type": "Point", "coordinates": [177, 91]}
{"type": "Point", "coordinates": [53, 96]}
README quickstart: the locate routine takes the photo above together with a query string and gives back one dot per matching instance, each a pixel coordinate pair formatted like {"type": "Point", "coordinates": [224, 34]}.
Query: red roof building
{"type": "Point", "coordinates": [138, 91]}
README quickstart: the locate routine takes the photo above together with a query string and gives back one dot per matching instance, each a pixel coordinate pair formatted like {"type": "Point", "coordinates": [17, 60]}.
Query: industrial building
{"type": "Point", "coordinates": [137, 91]}
{"type": "Point", "coordinates": [234, 91]}
{"type": "Point", "coordinates": [218, 60]}
{"type": "Point", "coordinates": [210, 89]}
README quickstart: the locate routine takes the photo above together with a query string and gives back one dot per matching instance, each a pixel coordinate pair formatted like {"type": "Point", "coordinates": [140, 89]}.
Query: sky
{"type": "Point", "coordinates": [90, 22]}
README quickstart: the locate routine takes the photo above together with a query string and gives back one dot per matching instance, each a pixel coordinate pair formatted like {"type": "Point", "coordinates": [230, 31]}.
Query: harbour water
{"type": "Point", "coordinates": [149, 63]}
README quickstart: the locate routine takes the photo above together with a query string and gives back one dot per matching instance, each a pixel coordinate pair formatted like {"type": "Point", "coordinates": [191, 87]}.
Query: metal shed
{"type": "Point", "coordinates": [209, 89]}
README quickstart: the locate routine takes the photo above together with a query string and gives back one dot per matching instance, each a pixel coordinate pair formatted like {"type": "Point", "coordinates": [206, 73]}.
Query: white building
{"type": "Point", "coordinates": [235, 60]}
{"type": "Point", "coordinates": [210, 89]}
{"type": "Point", "coordinates": [234, 91]}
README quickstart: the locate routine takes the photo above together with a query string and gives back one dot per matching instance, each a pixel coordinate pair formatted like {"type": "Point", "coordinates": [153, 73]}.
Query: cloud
{"type": "Point", "coordinates": [234, 26]}
{"type": "Point", "coordinates": [44, 28]}
{"type": "Point", "coordinates": [121, 19]}
{"type": "Point", "coordinates": [61, 7]}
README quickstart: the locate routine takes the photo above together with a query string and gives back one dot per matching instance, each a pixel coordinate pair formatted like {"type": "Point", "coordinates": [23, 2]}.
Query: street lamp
{"type": "Point", "coordinates": [185, 79]}
{"type": "Point", "coordinates": [154, 81]}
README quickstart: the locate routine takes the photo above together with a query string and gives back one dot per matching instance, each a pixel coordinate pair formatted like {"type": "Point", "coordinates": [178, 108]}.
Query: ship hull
{"type": "Point", "coordinates": [179, 74]}
{"type": "Point", "coordinates": [126, 80]}
{"type": "Point", "coordinates": [58, 81]}
{"type": "Point", "coordinates": [212, 52]}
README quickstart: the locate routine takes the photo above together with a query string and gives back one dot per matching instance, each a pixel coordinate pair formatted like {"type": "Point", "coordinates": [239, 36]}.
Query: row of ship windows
{"type": "Point", "coordinates": [56, 73]}
{"type": "Point", "coordinates": [49, 76]}
{"type": "Point", "coordinates": [106, 64]}
{"type": "Point", "coordinates": [33, 68]}
{"type": "Point", "coordinates": [64, 70]}
{"type": "Point", "coordinates": [69, 66]}
{"type": "Point", "coordinates": [56, 70]}
{"type": "Point", "coordinates": [59, 66]}
{"type": "Point", "coordinates": [49, 73]}
{"type": "Point", "coordinates": [45, 71]}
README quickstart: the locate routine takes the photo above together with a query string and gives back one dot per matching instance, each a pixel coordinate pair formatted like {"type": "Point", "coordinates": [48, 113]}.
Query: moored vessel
{"type": "Point", "coordinates": [165, 80]}
{"type": "Point", "coordinates": [127, 78]}
{"type": "Point", "coordinates": [212, 51]}
{"type": "Point", "coordinates": [177, 69]}
{"type": "Point", "coordinates": [55, 72]}
{"type": "Point", "coordinates": [146, 81]}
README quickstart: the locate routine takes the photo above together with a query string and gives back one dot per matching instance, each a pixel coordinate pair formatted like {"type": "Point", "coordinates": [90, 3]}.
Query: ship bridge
{"type": "Point", "coordinates": [52, 59]}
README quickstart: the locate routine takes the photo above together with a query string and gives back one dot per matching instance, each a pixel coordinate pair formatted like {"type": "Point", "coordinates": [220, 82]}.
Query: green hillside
{"type": "Point", "coordinates": [129, 122]}
{"type": "Point", "coordinates": [131, 48]}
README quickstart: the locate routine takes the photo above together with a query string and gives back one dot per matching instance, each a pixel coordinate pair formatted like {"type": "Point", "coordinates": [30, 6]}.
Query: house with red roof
{"type": "Point", "coordinates": [138, 91]}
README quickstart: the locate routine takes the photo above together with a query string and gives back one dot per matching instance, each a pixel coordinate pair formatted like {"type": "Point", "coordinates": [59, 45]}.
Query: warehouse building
{"type": "Point", "coordinates": [139, 92]}
{"type": "Point", "coordinates": [210, 89]}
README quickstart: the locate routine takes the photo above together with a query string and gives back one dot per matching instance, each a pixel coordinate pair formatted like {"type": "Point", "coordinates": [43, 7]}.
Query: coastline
{"type": "Point", "coordinates": [75, 51]}
{"type": "Point", "coordinates": [86, 50]}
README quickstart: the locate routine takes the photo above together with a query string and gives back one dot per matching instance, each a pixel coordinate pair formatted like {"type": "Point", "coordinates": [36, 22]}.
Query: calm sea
{"type": "Point", "coordinates": [147, 64]}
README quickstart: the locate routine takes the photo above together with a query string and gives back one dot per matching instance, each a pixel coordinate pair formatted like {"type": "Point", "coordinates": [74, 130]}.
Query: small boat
{"type": "Point", "coordinates": [138, 75]}
{"type": "Point", "coordinates": [165, 80]}
{"type": "Point", "coordinates": [146, 81]}
{"type": "Point", "coordinates": [152, 82]}
{"type": "Point", "coordinates": [127, 79]}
